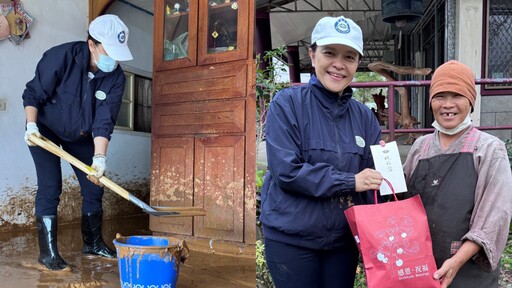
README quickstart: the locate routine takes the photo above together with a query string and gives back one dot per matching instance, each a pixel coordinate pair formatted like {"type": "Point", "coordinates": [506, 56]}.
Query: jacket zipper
{"type": "Point", "coordinates": [336, 120]}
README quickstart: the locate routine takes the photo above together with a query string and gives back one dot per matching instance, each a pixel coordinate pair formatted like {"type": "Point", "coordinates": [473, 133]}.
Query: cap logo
{"type": "Point", "coordinates": [342, 26]}
{"type": "Point", "coordinates": [121, 37]}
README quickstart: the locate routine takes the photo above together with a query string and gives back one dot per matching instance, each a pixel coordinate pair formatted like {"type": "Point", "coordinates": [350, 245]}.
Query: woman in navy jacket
{"type": "Point", "coordinates": [318, 149]}
{"type": "Point", "coordinates": [74, 100]}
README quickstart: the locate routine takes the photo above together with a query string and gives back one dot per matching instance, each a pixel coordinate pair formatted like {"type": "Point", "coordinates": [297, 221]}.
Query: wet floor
{"type": "Point", "coordinates": [19, 267]}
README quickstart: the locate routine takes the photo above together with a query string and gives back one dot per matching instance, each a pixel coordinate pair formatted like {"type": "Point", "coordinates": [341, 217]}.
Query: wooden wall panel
{"type": "Point", "coordinates": [201, 83]}
{"type": "Point", "coordinates": [219, 187]}
{"type": "Point", "coordinates": [199, 118]}
{"type": "Point", "coordinates": [172, 181]}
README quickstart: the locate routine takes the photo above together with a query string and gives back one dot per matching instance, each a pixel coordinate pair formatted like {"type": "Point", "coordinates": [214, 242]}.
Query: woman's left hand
{"type": "Point", "coordinates": [447, 272]}
{"type": "Point", "coordinates": [95, 180]}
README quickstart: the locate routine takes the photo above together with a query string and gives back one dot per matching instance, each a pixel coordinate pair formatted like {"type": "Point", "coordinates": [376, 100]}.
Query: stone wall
{"type": "Point", "coordinates": [497, 111]}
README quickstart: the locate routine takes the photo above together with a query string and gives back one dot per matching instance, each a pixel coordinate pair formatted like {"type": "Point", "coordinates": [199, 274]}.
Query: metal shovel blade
{"type": "Point", "coordinates": [168, 211]}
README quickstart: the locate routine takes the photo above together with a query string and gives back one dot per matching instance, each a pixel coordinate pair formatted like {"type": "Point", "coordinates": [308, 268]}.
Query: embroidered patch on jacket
{"type": "Point", "coordinates": [100, 95]}
{"type": "Point", "coordinates": [360, 141]}
{"type": "Point", "coordinates": [435, 182]}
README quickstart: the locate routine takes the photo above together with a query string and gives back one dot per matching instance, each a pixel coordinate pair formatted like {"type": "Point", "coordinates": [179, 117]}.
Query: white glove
{"type": "Point", "coordinates": [31, 129]}
{"type": "Point", "coordinates": [99, 163]}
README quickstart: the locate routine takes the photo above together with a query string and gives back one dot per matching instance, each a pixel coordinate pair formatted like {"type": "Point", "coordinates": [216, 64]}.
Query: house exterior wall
{"type": "Point", "coordinates": [469, 33]}
{"type": "Point", "coordinates": [489, 110]}
{"type": "Point", "coordinates": [56, 22]}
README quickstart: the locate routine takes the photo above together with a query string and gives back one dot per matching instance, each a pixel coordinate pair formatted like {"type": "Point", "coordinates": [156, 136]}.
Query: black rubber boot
{"type": "Point", "coordinates": [91, 234]}
{"type": "Point", "coordinates": [47, 236]}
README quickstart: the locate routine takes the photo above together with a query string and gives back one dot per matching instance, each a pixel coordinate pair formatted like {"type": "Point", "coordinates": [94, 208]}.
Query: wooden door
{"type": "Point", "coordinates": [203, 126]}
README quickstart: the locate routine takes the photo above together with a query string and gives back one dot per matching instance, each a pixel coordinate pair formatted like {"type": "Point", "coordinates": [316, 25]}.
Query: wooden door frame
{"type": "Point", "coordinates": [98, 7]}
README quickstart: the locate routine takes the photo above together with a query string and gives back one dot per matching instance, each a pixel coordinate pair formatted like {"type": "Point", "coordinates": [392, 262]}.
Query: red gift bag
{"type": "Point", "coordinates": [394, 241]}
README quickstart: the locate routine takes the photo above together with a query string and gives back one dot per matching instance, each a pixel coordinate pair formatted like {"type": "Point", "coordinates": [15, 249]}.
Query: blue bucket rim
{"type": "Point", "coordinates": [172, 242]}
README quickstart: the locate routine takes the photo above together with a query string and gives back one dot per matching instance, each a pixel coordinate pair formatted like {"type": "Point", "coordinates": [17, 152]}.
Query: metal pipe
{"type": "Point", "coordinates": [391, 101]}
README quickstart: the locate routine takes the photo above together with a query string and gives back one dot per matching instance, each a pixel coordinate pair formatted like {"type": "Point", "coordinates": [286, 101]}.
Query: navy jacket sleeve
{"type": "Point", "coordinates": [106, 111]}
{"type": "Point", "coordinates": [288, 168]}
{"type": "Point", "coordinates": [48, 75]}
{"type": "Point", "coordinates": [375, 135]}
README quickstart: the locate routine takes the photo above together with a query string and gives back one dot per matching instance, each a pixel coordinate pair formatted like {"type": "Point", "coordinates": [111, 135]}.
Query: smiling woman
{"type": "Point", "coordinates": [336, 58]}
{"type": "Point", "coordinates": [335, 65]}
{"type": "Point", "coordinates": [451, 112]}
{"type": "Point", "coordinates": [319, 162]}
{"type": "Point", "coordinates": [468, 174]}
{"type": "Point", "coordinates": [452, 99]}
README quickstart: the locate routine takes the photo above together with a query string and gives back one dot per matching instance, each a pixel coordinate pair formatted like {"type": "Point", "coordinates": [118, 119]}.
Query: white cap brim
{"type": "Point", "coordinates": [342, 41]}
{"type": "Point", "coordinates": [118, 53]}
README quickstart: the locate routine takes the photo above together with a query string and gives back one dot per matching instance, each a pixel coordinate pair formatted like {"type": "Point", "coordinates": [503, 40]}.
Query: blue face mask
{"type": "Point", "coordinates": [105, 63]}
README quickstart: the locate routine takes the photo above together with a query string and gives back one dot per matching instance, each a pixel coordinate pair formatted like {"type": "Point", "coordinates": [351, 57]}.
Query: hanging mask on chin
{"type": "Point", "coordinates": [105, 63]}
{"type": "Point", "coordinates": [463, 125]}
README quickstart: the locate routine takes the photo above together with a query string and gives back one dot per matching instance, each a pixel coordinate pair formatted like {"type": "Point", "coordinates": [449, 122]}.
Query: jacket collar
{"type": "Point", "coordinates": [326, 96]}
{"type": "Point", "coordinates": [83, 58]}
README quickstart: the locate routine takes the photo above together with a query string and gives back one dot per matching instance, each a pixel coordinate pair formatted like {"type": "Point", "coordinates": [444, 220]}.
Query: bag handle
{"type": "Point", "coordinates": [390, 186]}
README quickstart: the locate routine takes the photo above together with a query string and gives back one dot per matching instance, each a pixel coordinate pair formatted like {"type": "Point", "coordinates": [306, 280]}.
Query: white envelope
{"type": "Point", "coordinates": [388, 163]}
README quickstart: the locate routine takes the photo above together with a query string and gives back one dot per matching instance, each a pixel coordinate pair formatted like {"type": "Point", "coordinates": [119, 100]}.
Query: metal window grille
{"type": "Point", "coordinates": [142, 117]}
{"type": "Point", "coordinates": [433, 49]}
{"type": "Point", "coordinates": [135, 111]}
{"type": "Point", "coordinates": [498, 62]}
{"type": "Point", "coordinates": [125, 116]}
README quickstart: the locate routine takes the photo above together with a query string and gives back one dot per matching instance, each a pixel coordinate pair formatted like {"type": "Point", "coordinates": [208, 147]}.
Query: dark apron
{"type": "Point", "coordinates": [446, 184]}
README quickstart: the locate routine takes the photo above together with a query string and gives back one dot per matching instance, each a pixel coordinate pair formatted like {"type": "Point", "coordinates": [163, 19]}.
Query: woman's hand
{"type": "Point", "coordinates": [452, 265]}
{"type": "Point", "coordinates": [447, 272]}
{"type": "Point", "coordinates": [368, 179]}
{"type": "Point", "coordinates": [31, 130]}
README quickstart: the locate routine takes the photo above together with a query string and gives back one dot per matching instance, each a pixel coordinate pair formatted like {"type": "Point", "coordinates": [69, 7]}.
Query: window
{"type": "Point", "coordinates": [135, 111]}
{"type": "Point", "coordinates": [125, 117]}
{"type": "Point", "coordinates": [497, 52]}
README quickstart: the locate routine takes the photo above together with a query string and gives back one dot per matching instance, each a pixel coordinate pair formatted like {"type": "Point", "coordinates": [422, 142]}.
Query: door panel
{"type": "Point", "coordinates": [219, 187]}
{"type": "Point", "coordinates": [200, 118]}
{"type": "Point", "coordinates": [172, 181]}
{"type": "Point", "coordinates": [201, 83]}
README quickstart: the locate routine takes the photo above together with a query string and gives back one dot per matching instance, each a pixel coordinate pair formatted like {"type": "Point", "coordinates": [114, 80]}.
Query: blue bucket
{"type": "Point", "coordinates": [149, 261]}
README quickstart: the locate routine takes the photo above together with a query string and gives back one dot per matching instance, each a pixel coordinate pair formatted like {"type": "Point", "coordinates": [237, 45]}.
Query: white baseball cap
{"type": "Point", "coordinates": [111, 32]}
{"type": "Point", "coordinates": [338, 30]}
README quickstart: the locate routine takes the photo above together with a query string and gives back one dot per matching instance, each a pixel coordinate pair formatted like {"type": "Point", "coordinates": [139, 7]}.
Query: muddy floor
{"type": "Point", "coordinates": [19, 266]}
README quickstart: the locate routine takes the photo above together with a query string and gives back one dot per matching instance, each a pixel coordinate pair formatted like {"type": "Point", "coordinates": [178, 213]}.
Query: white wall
{"type": "Point", "coordinates": [56, 22]}
{"type": "Point", "coordinates": [469, 42]}
{"type": "Point", "coordinates": [140, 39]}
